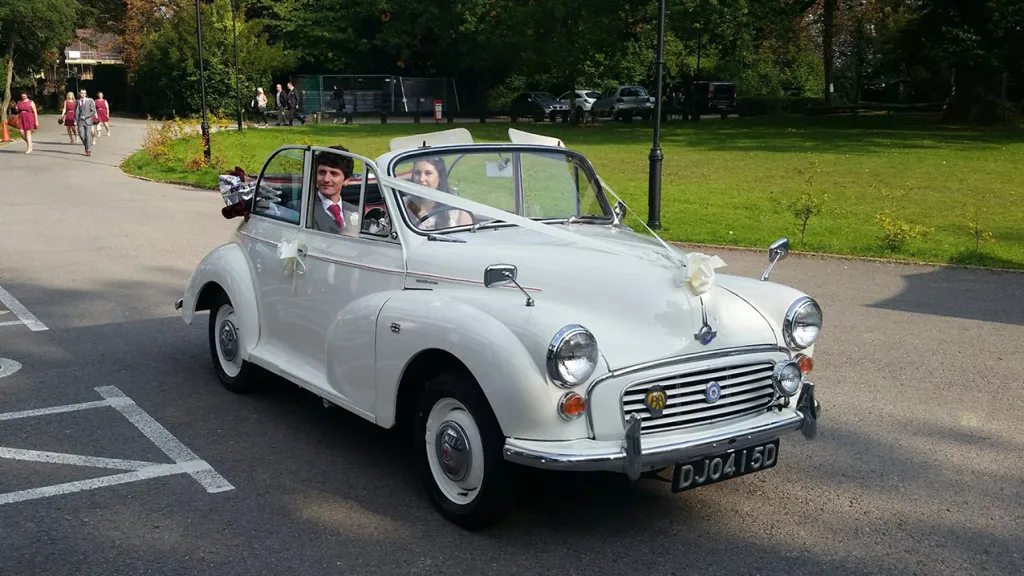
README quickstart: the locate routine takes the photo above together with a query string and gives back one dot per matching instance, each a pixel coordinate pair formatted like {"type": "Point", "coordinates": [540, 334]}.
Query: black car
{"type": "Point", "coordinates": [709, 97]}
{"type": "Point", "coordinates": [538, 105]}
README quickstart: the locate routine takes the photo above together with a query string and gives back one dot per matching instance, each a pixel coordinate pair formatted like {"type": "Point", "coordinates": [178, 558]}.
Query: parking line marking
{"type": "Point", "coordinates": [27, 318]}
{"type": "Point", "coordinates": [70, 487]}
{"type": "Point", "coordinates": [74, 459]}
{"type": "Point", "coordinates": [185, 461]}
{"type": "Point", "coordinates": [8, 367]}
{"type": "Point", "coordinates": [11, 323]}
{"type": "Point", "coordinates": [54, 410]}
{"type": "Point", "coordinates": [157, 434]}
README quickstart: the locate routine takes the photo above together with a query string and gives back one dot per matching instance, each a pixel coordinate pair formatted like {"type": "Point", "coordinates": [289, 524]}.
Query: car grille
{"type": "Point", "coordinates": [746, 389]}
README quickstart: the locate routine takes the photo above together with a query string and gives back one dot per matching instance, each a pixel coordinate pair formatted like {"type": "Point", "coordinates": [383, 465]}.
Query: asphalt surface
{"type": "Point", "coordinates": [916, 469]}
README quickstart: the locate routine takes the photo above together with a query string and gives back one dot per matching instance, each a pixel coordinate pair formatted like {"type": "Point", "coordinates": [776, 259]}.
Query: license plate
{"type": "Point", "coordinates": [725, 466]}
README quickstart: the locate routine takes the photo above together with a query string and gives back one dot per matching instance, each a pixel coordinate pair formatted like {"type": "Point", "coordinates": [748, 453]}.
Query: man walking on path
{"type": "Point", "coordinates": [84, 114]}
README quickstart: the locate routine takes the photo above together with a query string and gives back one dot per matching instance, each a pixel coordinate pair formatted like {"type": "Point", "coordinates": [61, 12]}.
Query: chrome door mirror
{"type": "Point", "coordinates": [499, 275]}
{"type": "Point", "coordinates": [503, 275]}
{"type": "Point", "coordinates": [777, 251]}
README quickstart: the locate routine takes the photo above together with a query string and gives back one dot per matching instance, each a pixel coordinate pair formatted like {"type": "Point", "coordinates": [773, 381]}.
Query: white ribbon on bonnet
{"type": "Point", "coordinates": [696, 269]}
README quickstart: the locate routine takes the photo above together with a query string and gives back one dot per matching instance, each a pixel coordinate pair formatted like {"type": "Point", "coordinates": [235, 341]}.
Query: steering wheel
{"type": "Point", "coordinates": [437, 211]}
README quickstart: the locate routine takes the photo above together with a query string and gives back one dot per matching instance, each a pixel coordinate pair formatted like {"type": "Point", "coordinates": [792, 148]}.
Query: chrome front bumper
{"type": "Point", "coordinates": [632, 457]}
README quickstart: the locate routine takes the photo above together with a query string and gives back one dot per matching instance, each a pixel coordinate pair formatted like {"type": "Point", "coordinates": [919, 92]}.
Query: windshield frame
{"type": "Point", "coordinates": [515, 150]}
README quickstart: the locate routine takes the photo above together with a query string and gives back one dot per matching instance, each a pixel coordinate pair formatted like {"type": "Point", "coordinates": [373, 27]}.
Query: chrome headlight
{"type": "Point", "coordinates": [787, 377]}
{"type": "Point", "coordinates": [572, 356]}
{"type": "Point", "coordinates": [802, 323]}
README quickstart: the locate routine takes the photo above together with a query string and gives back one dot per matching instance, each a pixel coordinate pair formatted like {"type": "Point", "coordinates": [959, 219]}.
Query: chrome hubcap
{"type": "Point", "coordinates": [453, 451]}
{"type": "Point", "coordinates": [227, 339]}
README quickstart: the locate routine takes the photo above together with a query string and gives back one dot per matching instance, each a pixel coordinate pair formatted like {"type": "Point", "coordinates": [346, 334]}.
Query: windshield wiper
{"type": "Point", "coordinates": [477, 226]}
{"type": "Point", "coordinates": [436, 237]}
{"type": "Point", "coordinates": [588, 219]}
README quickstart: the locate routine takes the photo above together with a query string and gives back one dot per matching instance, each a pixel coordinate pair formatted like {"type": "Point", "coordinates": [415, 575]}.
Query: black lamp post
{"type": "Point", "coordinates": [234, 37]}
{"type": "Point", "coordinates": [656, 156]}
{"type": "Point", "coordinates": [205, 126]}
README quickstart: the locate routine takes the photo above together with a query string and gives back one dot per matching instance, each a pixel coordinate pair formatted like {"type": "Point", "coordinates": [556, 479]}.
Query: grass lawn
{"type": "Point", "coordinates": [727, 182]}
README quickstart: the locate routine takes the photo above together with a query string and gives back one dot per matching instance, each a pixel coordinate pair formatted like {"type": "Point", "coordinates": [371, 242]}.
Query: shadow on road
{"type": "Point", "coordinates": [961, 293]}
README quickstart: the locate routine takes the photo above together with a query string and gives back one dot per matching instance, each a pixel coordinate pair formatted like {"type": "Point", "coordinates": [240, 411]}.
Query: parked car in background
{"type": "Point", "coordinates": [584, 99]}
{"type": "Point", "coordinates": [624, 102]}
{"type": "Point", "coordinates": [491, 299]}
{"type": "Point", "coordinates": [705, 97]}
{"type": "Point", "coordinates": [538, 105]}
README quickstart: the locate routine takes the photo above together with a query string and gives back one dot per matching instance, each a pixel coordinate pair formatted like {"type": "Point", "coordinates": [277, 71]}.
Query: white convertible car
{"type": "Point", "coordinates": [489, 297]}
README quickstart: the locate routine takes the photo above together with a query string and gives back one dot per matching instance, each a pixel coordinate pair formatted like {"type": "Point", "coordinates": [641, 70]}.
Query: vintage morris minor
{"type": "Point", "coordinates": [490, 298]}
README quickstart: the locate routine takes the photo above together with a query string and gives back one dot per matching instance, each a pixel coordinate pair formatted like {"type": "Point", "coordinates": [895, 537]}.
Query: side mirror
{"type": "Point", "coordinates": [777, 251]}
{"type": "Point", "coordinates": [503, 275]}
{"type": "Point", "coordinates": [499, 275]}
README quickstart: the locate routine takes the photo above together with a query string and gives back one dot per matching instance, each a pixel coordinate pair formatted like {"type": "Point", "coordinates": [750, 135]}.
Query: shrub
{"type": "Point", "coordinates": [895, 230]}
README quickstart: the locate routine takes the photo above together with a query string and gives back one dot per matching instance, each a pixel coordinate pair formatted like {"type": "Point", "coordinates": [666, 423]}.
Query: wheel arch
{"type": "Point", "coordinates": [225, 270]}
{"type": "Point", "coordinates": [420, 333]}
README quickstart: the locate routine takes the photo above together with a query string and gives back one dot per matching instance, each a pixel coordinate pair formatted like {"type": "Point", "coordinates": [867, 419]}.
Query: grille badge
{"type": "Point", "coordinates": [655, 401]}
{"type": "Point", "coordinates": [713, 392]}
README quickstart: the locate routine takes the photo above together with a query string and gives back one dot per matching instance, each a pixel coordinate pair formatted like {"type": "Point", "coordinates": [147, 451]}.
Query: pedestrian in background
{"type": "Point", "coordinates": [28, 118]}
{"type": "Point", "coordinates": [294, 105]}
{"type": "Point", "coordinates": [85, 111]}
{"type": "Point", "coordinates": [281, 101]}
{"type": "Point", "coordinates": [260, 106]}
{"type": "Point", "coordinates": [69, 117]}
{"type": "Point", "coordinates": [102, 113]}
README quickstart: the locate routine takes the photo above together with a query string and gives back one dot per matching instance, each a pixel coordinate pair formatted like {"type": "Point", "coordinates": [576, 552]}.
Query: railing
{"type": "Point", "coordinates": [103, 56]}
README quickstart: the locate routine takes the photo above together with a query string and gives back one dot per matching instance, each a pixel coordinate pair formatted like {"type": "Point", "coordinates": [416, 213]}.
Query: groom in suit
{"type": "Point", "coordinates": [85, 111]}
{"type": "Point", "coordinates": [330, 213]}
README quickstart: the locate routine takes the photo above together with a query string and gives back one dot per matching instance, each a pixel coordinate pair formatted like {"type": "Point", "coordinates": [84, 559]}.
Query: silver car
{"type": "Point", "coordinates": [624, 101]}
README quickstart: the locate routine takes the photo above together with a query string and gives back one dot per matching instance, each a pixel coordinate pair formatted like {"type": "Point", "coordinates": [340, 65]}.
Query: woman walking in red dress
{"type": "Point", "coordinates": [103, 112]}
{"type": "Point", "coordinates": [28, 116]}
{"type": "Point", "coordinates": [69, 116]}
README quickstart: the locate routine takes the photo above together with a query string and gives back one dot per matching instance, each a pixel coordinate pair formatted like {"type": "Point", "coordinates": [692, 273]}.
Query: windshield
{"type": "Point", "coordinates": [542, 185]}
{"type": "Point", "coordinates": [544, 97]}
{"type": "Point", "coordinates": [592, 94]}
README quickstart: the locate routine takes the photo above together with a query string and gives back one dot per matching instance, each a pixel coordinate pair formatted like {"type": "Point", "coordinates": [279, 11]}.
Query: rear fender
{"type": "Point", "coordinates": [226, 268]}
{"type": "Point", "coordinates": [521, 397]}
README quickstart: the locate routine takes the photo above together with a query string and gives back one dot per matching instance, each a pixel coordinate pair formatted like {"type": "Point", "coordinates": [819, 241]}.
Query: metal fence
{"type": "Point", "coordinates": [374, 93]}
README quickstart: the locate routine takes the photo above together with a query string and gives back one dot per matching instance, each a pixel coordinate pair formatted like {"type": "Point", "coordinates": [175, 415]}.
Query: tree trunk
{"type": "Point", "coordinates": [828, 48]}
{"type": "Point", "coordinates": [8, 77]}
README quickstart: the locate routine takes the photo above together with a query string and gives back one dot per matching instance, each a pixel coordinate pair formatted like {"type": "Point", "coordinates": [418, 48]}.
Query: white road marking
{"type": "Point", "coordinates": [74, 459]}
{"type": "Point", "coordinates": [26, 317]}
{"type": "Point", "coordinates": [8, 367]}
{"type": "Point", "coordinates": [70, 487]}
{"type": "Point", "coordinates": [185, 461]}
{"type": "Point", "coordinates": [54, 410]}
{"type": "Point", "coordinates": [11, 323]}
{"type": "Point", "coordinates": [163, 439]}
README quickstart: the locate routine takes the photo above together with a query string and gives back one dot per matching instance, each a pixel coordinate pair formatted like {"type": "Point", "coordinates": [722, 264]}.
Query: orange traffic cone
{"type": "Point", "coordinates": [6, 136]}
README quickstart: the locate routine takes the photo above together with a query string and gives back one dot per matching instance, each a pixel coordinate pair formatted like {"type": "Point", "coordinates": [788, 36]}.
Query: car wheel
{"type": "Point", "coordinates": [235, 374]}
{"type": "Point", "coordinates": [459, 448]}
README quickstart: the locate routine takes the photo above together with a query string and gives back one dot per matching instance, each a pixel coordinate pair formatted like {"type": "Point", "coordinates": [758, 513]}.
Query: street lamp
{"type": "Point", "coordinates": [234, 37]}
{"type": "Point", "coordinates": [656, 156]}
{"type": "Point", "coordinates": [205, 126]}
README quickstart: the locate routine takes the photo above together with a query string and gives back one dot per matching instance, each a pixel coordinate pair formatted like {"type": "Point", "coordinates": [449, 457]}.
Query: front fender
{"type": "Point", "coordinates": [225, 266]}
{"type": "Point", "coordinates": [524, 402]}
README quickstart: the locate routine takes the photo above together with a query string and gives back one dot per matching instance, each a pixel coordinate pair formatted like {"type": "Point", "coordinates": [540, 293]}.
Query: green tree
{"type": "Point", "coordinates": [30, 31]}
{"type": "Point", "coordinates": [167, 73]}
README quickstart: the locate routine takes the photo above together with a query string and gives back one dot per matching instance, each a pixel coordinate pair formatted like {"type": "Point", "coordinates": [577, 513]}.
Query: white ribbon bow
{"type": "Point", "coordinates": [288, 252]}
{"type": "Point", "coordinates": [700, 272]}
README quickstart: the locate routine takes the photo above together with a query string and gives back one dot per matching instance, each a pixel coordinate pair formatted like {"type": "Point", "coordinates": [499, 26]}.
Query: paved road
{"type": "Point", "coordinates": [917, 468]}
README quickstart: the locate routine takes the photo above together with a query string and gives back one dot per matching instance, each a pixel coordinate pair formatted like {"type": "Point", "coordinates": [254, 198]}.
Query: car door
{"type": "Point", "coordinates": [275, 219]}
{"type": "Point", "coordinates": [349, 275]}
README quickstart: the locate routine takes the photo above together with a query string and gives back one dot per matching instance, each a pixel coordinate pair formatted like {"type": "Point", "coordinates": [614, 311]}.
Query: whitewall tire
{"type": "Point", "coordinates": [226, 348]}
{"type": "Point", "coordinates": [459, 450]}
